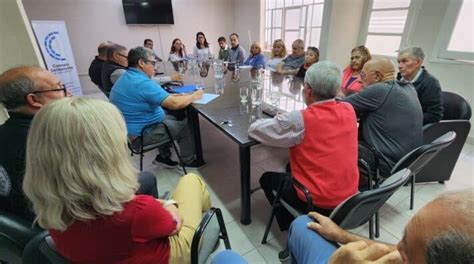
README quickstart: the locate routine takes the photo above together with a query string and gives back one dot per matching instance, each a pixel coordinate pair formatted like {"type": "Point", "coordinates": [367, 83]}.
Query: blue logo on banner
{"type": "Point", "coordinates": [48, 41]}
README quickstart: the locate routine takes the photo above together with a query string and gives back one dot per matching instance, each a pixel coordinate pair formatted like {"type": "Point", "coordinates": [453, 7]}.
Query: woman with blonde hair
{"type": "Point", "coordinates": [351, 75]}
{"type": "Point", "coordinates": [278, 54]}
{"type": "Point", "coordinates": [256, 58]}
{"type": "Point", "coordinates": [81, 182]}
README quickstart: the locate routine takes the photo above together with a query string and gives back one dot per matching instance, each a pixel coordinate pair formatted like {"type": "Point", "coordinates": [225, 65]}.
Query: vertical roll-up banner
{"type": "Point", "coordinates": [57, 53]}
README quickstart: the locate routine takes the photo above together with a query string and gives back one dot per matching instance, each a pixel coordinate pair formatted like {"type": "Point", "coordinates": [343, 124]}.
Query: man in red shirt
{"type": "Point", "coordinates": [322, 141]}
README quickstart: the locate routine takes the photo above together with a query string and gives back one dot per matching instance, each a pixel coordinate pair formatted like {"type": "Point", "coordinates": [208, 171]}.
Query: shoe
{"type": "Point", "coordinates": [284, 255]}
{"type": "Point", "coordinates": [167, 163]}
{"type": "Point", "coordinates": [194, 165]}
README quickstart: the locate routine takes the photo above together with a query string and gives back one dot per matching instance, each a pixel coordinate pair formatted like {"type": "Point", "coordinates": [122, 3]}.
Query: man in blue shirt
{"type": "Point", "coordinates": [141, 101]}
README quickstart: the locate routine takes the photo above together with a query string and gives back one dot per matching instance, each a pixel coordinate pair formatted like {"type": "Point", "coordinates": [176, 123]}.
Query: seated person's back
{"type": "Point", "coordinates": [391, 116]}
{"type": "Point", "coordinates": [141, 106]}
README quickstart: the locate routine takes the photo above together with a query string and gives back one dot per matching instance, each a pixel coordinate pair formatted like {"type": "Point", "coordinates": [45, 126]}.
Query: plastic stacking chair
{"type": "Point", "coordinates": [279, 201]}
{"type": "Point", "coordinates": [416, 160]}
{"type": "Point", "coordinates": [137, 145]}
{"type": "Point", "coordinates": [361, 207]}
{"type": "Point", "coordinates": [207, 236]}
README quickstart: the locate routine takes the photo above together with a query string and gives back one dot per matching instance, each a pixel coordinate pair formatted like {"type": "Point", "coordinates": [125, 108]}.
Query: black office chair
{"type": "Point", "coordinates": [361, 207]}
{"type": "Point", "coordinates": [457, 113]}
{"type": "Point", "coordinates": [137, 147]}
{"type": "Point", "coordinates": [279, 202]}
{"type": "Point", "coordinates": [455, 107]}
{"type": "Point", "coordinates": [41, 248]}
{"type": "Point", "coordinates": [15, 232]}
{"type": "Point", "coordinates": [207, 236]}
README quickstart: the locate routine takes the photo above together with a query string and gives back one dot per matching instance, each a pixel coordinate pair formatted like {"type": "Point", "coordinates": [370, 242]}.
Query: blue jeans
{"type": "Point", "coordinates": [307, 246]}
{"type": "Point", "coordinates": [228, 257]}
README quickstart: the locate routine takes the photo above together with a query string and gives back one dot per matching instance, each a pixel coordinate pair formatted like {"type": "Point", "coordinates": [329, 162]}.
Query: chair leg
{"type": "Point", "coordinates": [412, 196]}
{"type": "Point", "coordinates": [377, 228]}
{"type": "Point", "coordinates": [175, 148]}
{"type": "Point", "coordinates": [371, 228]}
{"type": "Point", "coordinates": [269, 225]}
{"type": "Point", "coordinates": [141, 161]}
{"type": "Point", "coordinates": [223, 230]}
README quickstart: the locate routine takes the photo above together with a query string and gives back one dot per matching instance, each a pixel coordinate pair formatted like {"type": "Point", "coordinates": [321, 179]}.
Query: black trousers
{"type": "Point", "coordinates": [270, 181]}
{"type": "Point", "coordinates": [147, 181]}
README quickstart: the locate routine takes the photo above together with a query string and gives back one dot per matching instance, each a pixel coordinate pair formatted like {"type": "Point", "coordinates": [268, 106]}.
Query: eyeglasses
{"type": "Point", "coordinates": [63, 88]}
{"type": "Point", "coordinates": [125, 56]}
{"type": "Point", "coordinates": [151, 62]}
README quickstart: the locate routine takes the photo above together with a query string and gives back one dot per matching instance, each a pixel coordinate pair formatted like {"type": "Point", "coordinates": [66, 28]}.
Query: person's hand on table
{"type": "Point", "coordinates": [361, 253]}
{"type": "Point", "coordinates": [176, 77]}
{"type": "Point", "coordinates": [198, 94]}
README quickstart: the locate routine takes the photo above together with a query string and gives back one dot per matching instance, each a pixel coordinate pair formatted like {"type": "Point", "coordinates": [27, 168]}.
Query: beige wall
{"type": "Point", "coordinates": [90, 22]}
{"type": "Point", "coordinates": [17, 44]}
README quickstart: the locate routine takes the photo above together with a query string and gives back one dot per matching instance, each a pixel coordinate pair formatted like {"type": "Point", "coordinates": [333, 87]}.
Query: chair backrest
{"type": "Point", "coordinates": [41, 249]}
{"type": "Point", "coordinates": [207, 235]}
{"type": "Point", "coordinates": [455, 107]}
{"type": "Point", "coordinates": [416, 159]}
{"type": "Point", "coordinates": [15, 232]}
{"type": "Point", "coordinates": [359, 208]}
{"type": "Point", "coordinates": [440, 168]}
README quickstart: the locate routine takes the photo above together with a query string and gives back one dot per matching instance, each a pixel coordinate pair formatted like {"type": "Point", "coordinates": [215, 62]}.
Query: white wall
{"type": "Point", "coordinates": [17, 44]}
{"type": "Point", "coordinates": [90, 22]}
{"type": "Point", "coordinates": [247, 15]}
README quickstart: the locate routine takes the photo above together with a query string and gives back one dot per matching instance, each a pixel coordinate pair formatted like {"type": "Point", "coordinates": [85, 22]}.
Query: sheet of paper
{"type": "Point", "coordinates": [206, 98]}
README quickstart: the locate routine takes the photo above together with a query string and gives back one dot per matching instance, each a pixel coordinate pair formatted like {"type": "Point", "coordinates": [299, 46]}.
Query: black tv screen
{"type": "Point", "coordinates": [148, 11]}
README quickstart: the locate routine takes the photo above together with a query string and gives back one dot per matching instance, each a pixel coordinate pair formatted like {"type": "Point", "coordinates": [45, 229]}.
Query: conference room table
{"type": "Point", "coordinates": [233, 117]}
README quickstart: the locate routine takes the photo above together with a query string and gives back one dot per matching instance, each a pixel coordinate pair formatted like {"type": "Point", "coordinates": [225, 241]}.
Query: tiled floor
{"type": "Point", "coordinates": [222, 177]}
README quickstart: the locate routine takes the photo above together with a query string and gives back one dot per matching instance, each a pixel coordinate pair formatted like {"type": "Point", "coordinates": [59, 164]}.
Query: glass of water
{"type": "Point", "coordinates": [257, 94]}
{"type": "Point", "coordinates": [274, 97]}
{"type": "Point", "coordinates": [244, 92]}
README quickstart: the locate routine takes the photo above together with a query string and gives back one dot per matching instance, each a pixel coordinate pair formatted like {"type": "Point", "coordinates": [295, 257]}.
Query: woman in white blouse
{"type": "Point", "coordinates": [202, 49]}
{"type": "Point", "coordinates": [178, 51]}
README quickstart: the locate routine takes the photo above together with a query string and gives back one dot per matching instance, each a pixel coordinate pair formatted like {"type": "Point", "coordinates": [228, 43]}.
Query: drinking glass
{"type": "Point", "coordinates": [256, 96]}
{"type": "Point", "coordinates": [244, 92]}
{"type": "Point", "coordinates": [219, 85]}
{"type": "Point", "coordinates": [274, 101]}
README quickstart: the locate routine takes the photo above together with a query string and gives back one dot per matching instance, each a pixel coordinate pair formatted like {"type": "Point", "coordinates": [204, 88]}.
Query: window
{"type": "Point", "coordinates": [293, 19]}
{"type": "Point", "coordinates": [386, 25]}
{"type": "Point", "coordinates": [455, 41]}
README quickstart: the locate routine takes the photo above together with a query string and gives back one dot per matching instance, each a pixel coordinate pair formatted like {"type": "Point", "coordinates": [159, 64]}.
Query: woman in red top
{"type": "Point", "coordinates": [350, 77]}
{"type": "Point", "coordinates": [82, 183]}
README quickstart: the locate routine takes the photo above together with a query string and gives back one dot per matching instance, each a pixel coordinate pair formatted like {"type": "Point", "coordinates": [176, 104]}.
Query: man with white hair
{"type": "Point", "coordinates": [318, 138]}
{"type": "Point", "coordinates": [441, 232]}
{"type": "Point", "coordinates": [410, 68]}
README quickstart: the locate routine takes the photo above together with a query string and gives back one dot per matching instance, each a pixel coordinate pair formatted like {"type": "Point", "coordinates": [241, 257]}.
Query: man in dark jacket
{"type": "Point", "coordinates": [114, 67]}
{"type": "Point", "coordinates": [23, 91]}
{"type": "Point", "coordinates": [426, 85]}
{"type": "Point", "coordinates": [95, 69]}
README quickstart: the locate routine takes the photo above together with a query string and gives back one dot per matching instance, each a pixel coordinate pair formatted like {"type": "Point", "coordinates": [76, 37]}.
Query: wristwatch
{"type": "Point", "coordinates": [170, 202]}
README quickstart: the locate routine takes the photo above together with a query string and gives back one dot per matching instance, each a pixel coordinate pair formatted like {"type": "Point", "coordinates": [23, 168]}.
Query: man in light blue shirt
{"type": "Point", "coordinates": [141, 101]}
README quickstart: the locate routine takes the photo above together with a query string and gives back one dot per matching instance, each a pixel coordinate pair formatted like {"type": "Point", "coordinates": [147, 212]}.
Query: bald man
{"type": "Point", "coordinates": [95, 69]}
{"type": "Point", "coordinates": [391, 119]}
{"type": "Point", "coordinates": [441, 232]}
{"type": "Point", "coordinates": [23, 91]}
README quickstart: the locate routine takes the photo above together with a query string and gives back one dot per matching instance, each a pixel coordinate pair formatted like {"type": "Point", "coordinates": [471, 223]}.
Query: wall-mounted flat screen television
{"type": "Point", "coordinates": [148, 11]}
